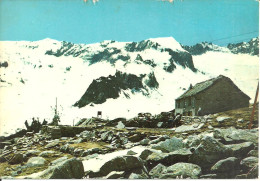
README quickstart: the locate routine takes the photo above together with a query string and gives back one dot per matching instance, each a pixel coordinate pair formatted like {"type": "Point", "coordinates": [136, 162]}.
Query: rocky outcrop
{"type": "Point", "coordinates": [169, 145]}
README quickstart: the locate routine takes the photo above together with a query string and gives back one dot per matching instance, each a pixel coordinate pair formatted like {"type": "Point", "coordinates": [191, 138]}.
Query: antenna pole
{"type": "Point", "coordinates": [253, 111]}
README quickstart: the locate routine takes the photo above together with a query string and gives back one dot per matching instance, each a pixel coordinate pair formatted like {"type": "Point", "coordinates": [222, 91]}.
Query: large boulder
{"type": "Point", "coordinates": [184, 170]}
{"type": "Point", "coordinates": [169, 145]}
{"type": "Point", "coordinates": [168, 159]}
{"type": "Point", "coordinates": [249, 163]}
{"type": "Point", "coordinates": [87, 134]}
{"type": "Point", "coordinates": [233, 135]}
{"type": "Point", "coordinates": [227, 168]}
{"type": "Point", "coordinates": [120, 125]}
{"type": "Point", "coordinates": [68, 169]}
{"type": "Point", "coordinates": [158, 170]}
{"type": "Point", "coordinates": [208, 152]}
{"type": "Point", "coordinates": [241, 149]}
{"type": "Point", "coordinates": [35, 162]}
{"type": "Point", "coordinates": [120, 163]}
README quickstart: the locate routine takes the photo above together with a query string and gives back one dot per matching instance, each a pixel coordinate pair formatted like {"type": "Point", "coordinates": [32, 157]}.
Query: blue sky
{"type": "Point", "coordinates": [188, 21]}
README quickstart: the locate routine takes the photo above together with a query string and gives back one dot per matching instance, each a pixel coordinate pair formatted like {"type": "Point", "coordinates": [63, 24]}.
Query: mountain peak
{"type": "Point", "coordinates": [168, 42]}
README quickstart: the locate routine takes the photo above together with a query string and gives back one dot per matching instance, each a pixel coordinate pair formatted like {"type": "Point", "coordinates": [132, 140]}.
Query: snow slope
{"type": "Point", "coordinates": [33, 79]}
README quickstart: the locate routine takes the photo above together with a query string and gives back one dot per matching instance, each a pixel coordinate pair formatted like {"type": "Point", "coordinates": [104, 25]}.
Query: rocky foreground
{"type": "Point", "coordinates": [205, 147]}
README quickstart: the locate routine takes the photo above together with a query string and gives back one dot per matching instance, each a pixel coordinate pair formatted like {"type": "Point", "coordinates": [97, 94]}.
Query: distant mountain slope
{"type": "Point", "coordinates": [251, 47]}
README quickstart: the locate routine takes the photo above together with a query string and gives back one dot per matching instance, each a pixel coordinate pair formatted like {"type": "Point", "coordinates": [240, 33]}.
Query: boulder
{"type": "Point", "coordinates": [32, 153]}
{"type": "Point", "coordinates": [68, 169]}
{"type": "Point", "coordinates": [52, 144]}
{"type": "Point", "coordinates": [17, 158]}
{"type": "Point", "coordinates": [185, 170]}
{"type": "Point", "coordinates": [181, 155]}
{"type": "Point", "coordinates": [107, 136]}
{"type": "Point", "coordinates": [158, 170]}
{"type": "Point", "coordinates": [184, 128]}
{"type": "Point", "coordinates": [208, 152]}
{"type": "Point", "coordinates": [159, 124]}
{"type": "Point", "coordinates": [46, 153]}
{"type": "Point", "coordinates": [36, 161]}
{"type": "Point", "coordinates": [144, 142]}
{"type": "Point", "coordinates": [120, 163]}
{"type": "Point", "coordinates": [249, 163]}
{"type": "Point", "coordinates": [162, 138]}
{"type": "Point", "coordinates": [120, 125]}
{"type": "Point", "coordinates": [87, 135]}
{"type": "Point", "coordinates": [233, 135]}
{"type": "Point", "coordinates": [145, 153]}
{"type": "Point", "coordinates": [241, 149]}
{"type": "Point", "coordinates": [136, 137]}
{"type": "Point", "coordinates": [130, 152]}
{"type": "Point", "coordinates": [253, 153]}
{"type": "Point", "coordinates": [222, 119]}
{"type": "Point", "coordinates": [91, 151]}
{"type": "Point", "coordinates": [229, 165]}
{"type": "Point", "coordinates": [138, 176]}
{"type": "Point", "coordinates": [169, 145]}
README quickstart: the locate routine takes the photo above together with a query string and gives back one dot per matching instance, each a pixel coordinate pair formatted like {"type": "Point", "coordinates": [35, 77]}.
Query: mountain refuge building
{"type": "Point", "coordinates": [210, 97]}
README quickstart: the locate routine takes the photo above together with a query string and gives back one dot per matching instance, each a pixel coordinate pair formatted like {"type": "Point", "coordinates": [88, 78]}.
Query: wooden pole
{"type": "Point", "coordinates": [253, 111]}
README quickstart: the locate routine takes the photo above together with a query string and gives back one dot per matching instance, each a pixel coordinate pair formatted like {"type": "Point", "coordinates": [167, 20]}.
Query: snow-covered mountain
{"type": "Point", "coordinates": [251, 47]}
{"type": "Point", "coordinates": [120, 79]}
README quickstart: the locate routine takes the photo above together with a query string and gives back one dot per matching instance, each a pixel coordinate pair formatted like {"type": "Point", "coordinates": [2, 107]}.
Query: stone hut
{"type": "Point", "coordinates": [211, 96]}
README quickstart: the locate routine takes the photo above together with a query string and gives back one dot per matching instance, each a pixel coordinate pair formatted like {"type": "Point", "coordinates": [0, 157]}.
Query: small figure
{"type": "Point", "coordinates": [27, 126]}
{"type": "Point", "coordinates": [44, 122]}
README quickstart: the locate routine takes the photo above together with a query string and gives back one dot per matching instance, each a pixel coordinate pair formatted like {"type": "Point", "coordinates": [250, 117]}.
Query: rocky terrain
{"type": "Point", "coordinates": [145, 147]}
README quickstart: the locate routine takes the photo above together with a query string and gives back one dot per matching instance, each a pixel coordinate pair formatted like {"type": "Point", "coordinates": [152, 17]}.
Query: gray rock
{"type": "Point", "coordinates": [168, 159]}
{"type": "Point", "coordinates": [17, 158]}
{"type": "Point", "coordinates": [169, 145]}
{"type": "Point", "coordinates": [241, 120]}
{"type": "Point", "coordinates": [145, 153]}
{"type": "Point", "coordinates": [185, 170]}
{"type": "Point", "coordinates": [107, 136]}
{"type": "Point", "coordinates": [120, 163]}
{"type": "Point", "coordinates": [46, 153]}
{"type": "Point", "coordinates": [209, 152]}
{"type": "Point", "coordinates": [221, 119]}
{"type": "Point", "coordinates": [144, 142]}
{"type": "Point", "coordinates": [226, 165]}
{"type": "Point", "coordinates": [159, 124]}
{"type": "Point", "coordinates": [115, 175]}
{"type": "Point", "coordinates": [91, 151]}
{"type": "Point", "coordinates": [54, 162]}
{"type": "Point", "coordinates": [162, 138]}
{"type": "Point", "coordinates": [87, 135]}
{"type": "Point", "coordinates": [241, 149]}
{"type": "Point", "coordinates": [248, 163]}
{"type": "Point", "coordinates": [35, 161]}
{"type": "Point", "coordinates": [120, 125]}
{"type": "Point", "coordinates": [52, 144]}
{"type": "Point", "coordinates": [233, 135]}
{"type": "Point", "coordinates": [136, 137]}
{"type": "Point", "coordinates": [68, 169]}
{"type": "Point", "coordinates": [158, 170]}
{"type": "Point", "coordinates": [130, 152]}
{"type": "Point", "coordinates": [184, 128]}
{"type": "Point", "coordinates": [253, 153]}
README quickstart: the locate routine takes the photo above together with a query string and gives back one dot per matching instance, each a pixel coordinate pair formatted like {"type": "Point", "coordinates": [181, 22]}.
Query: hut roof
{"type": "Point", "coordinates": [202, 86]}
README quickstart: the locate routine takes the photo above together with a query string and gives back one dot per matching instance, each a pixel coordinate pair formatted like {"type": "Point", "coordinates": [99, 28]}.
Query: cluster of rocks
{"type": "Point", "coordinates": [200, 156]}
{"type": "Point", "coordinates": [192, 150]}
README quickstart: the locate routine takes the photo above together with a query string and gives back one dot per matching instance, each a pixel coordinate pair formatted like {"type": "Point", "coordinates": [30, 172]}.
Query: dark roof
{"type": "Point", "coordinates": [199, 87]}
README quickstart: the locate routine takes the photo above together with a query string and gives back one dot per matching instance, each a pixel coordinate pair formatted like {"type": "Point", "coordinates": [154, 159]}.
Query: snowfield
{"type": "Point", "coordinates": [33, 79]}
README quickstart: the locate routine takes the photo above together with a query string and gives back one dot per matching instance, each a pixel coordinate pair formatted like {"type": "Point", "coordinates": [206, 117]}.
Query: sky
{"type": "Point", "coordinates": [77, 21]}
